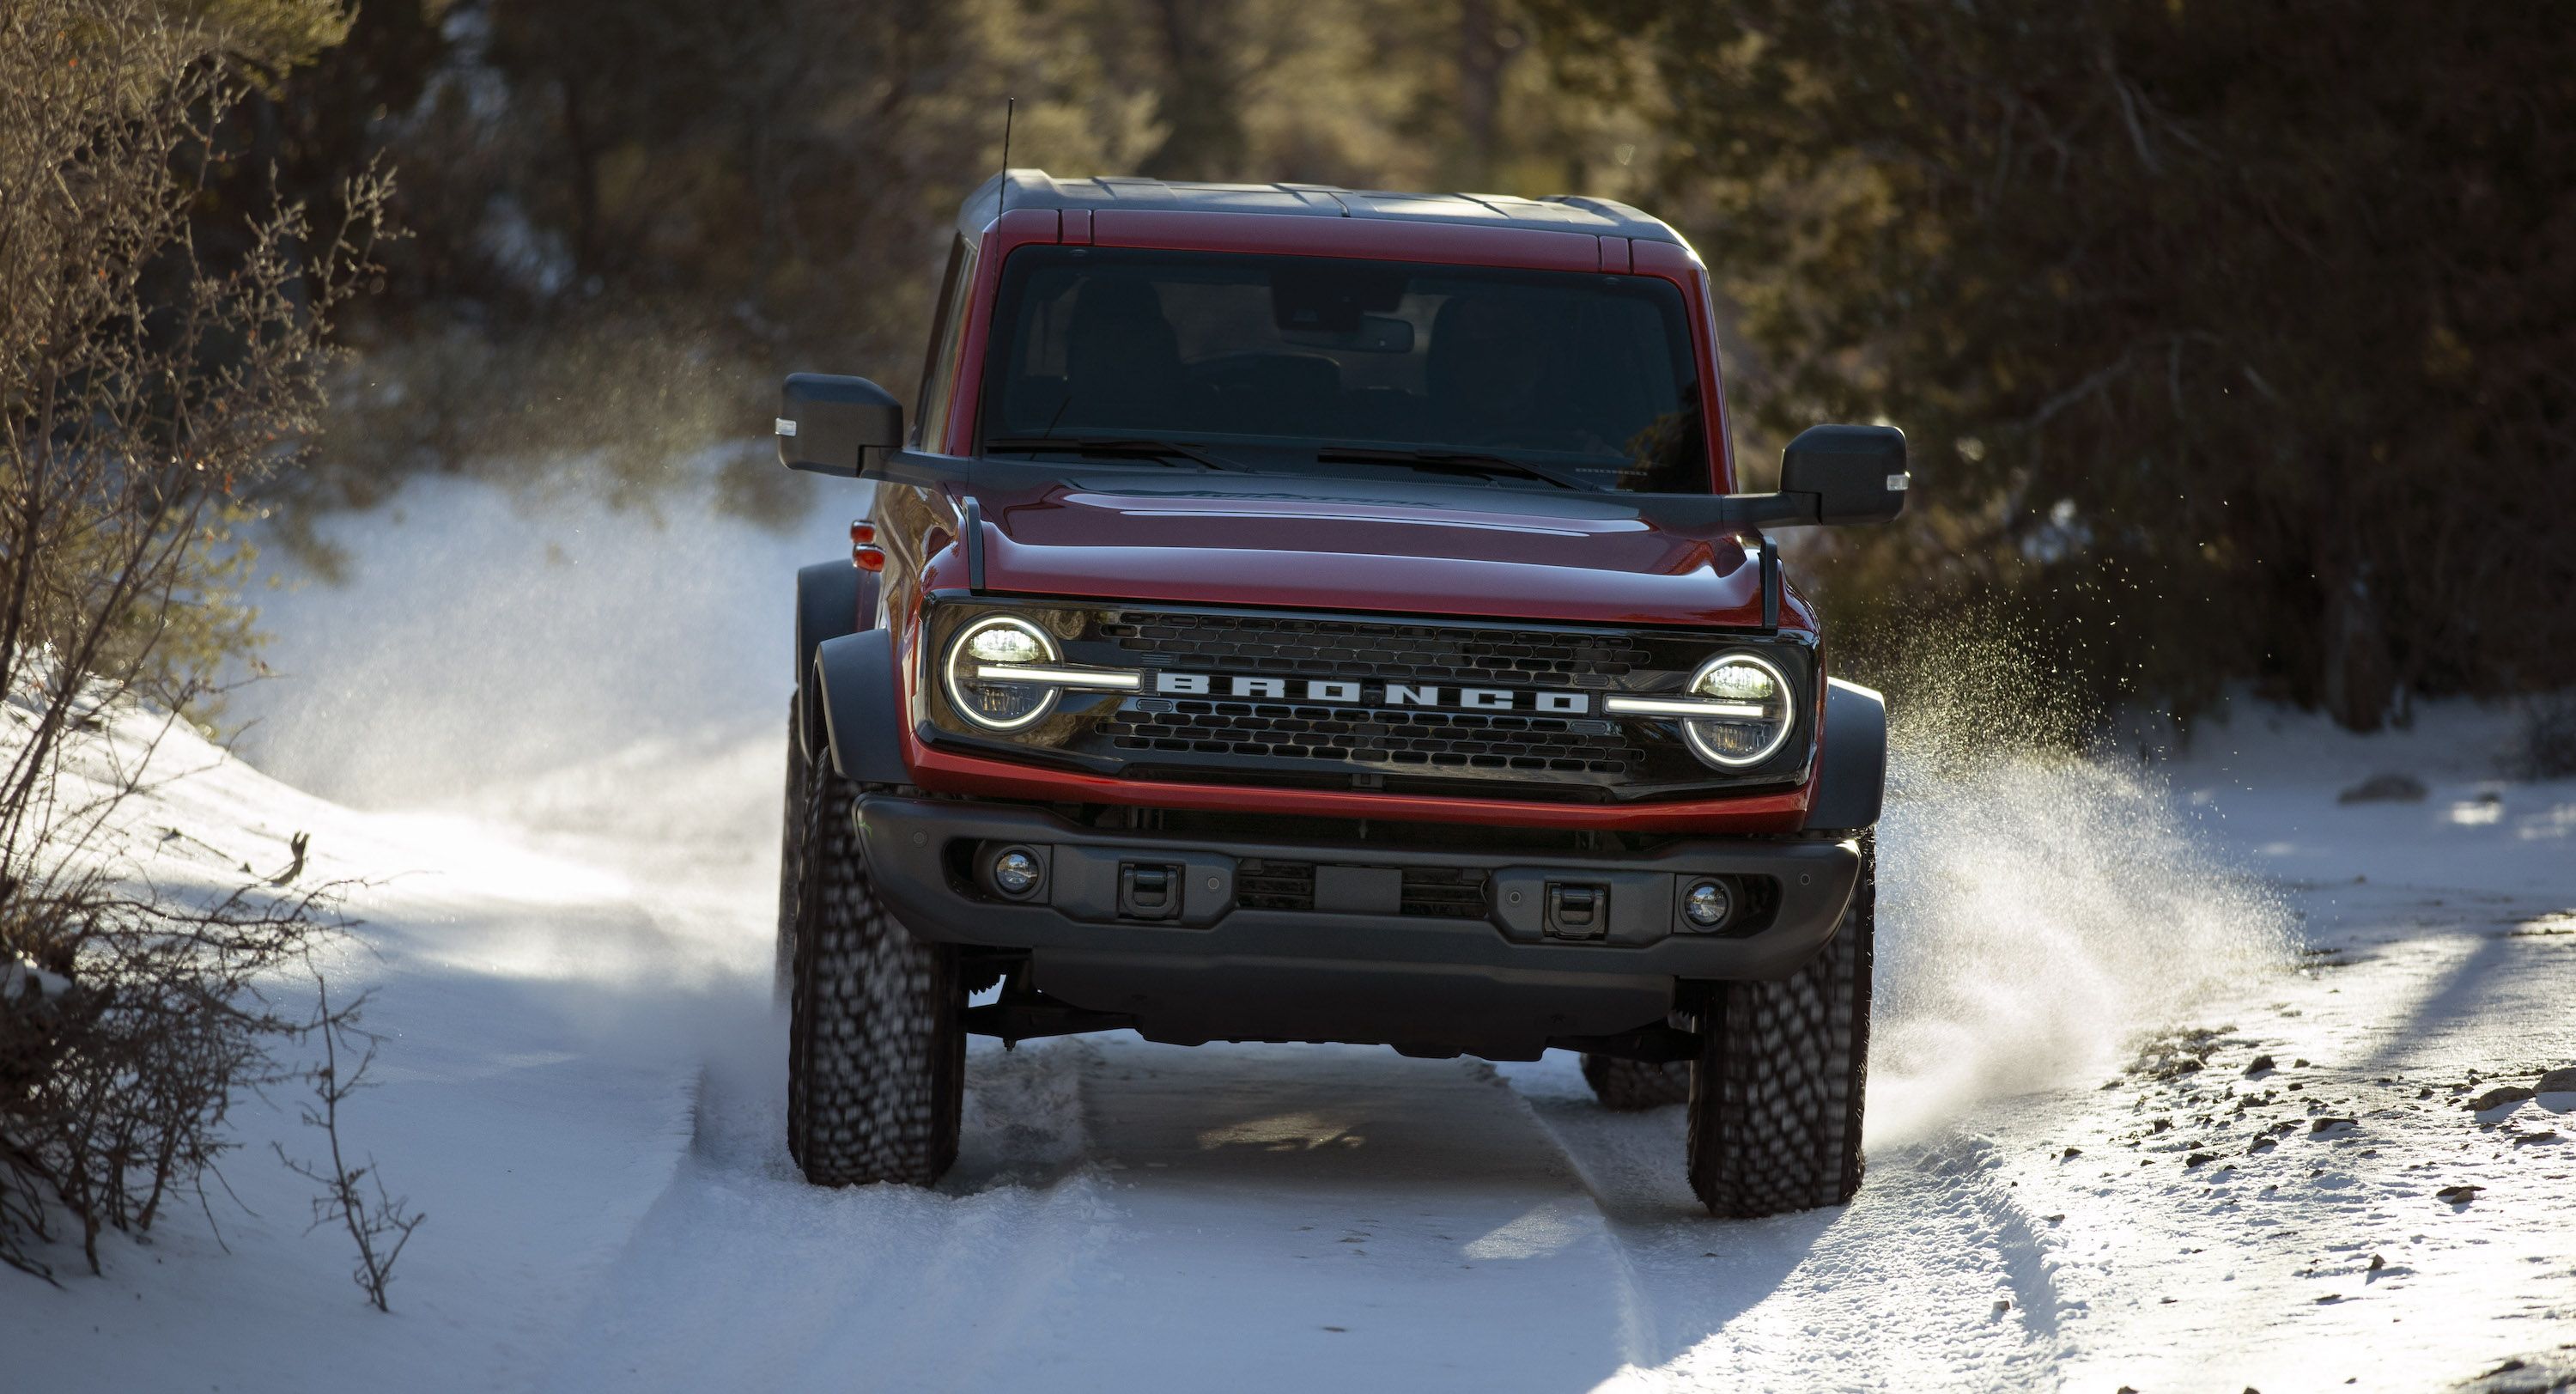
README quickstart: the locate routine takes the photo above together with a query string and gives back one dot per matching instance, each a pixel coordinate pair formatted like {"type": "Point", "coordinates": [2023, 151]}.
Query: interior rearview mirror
{"type": "Point", "coordinates": [826, 424]}
{"type": "Point", "coordinates": [1856, 474]}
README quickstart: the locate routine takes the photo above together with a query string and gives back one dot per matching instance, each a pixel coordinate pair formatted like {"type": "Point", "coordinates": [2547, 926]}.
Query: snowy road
{"type": "Point", "coordinates": [1135, 1216]}
{"type": "Point", "coordinates": [2080, 1177]}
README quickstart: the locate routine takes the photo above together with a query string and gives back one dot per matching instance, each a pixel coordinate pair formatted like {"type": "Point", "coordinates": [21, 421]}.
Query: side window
{"type": "Point", "coordinates": [939, 371]}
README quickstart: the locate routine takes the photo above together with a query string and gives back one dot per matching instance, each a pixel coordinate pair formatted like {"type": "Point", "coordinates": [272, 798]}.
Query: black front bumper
{"type": "Point", "coordinates": [1207, 963]}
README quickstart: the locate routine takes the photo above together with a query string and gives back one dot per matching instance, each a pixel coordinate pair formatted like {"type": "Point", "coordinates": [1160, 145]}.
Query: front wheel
{"type": "Point", "coordinates": [1775, 1096]}
{"type": "Point", "coordinates": [876, 1064]}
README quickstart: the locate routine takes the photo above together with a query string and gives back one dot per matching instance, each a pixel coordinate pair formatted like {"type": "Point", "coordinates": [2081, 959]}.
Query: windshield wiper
{"type": "Point", "coordinates": [1113, 447]}
{"type": "Point", "coordinates": [1454, 462]}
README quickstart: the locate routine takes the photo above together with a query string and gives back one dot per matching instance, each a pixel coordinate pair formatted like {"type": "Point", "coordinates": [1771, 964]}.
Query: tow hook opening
{"type": "Point", "coordinates": [1149, 891]}
{"type": "Point", "coordinates": [1577, 910]}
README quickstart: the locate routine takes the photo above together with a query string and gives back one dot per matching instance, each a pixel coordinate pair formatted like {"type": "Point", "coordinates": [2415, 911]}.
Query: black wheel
{"type": "Point", "coordinates": [876, 1065]}
{"type": "Point", "coordinates": [1775, 1097]}
{"type": "Point", "coordinates": [1630, 1085]}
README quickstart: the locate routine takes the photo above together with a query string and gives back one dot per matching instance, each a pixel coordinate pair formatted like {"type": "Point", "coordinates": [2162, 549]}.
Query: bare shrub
{"type": "Point", "coordinates": [139, 1023]}
{"type": "Point", "coordinates": [378, 1227]}
{"type": "Point", "coordinates": [143, 392]}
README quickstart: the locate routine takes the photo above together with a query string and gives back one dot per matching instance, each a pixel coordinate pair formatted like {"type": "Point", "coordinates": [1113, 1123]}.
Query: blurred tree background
{"type": "Point", "coordinates": [2235, 342]}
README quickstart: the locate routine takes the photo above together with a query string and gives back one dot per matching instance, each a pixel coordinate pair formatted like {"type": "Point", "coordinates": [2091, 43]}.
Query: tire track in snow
{"type": "Point", "coordinates": [743, 1276]}
{"type": "Point", "coordinates": [1898, 1289]}
{"type": "Point", "coordinates": [1132, 1216]}
{"type": "Point", "coordinates": [1329, 1216]}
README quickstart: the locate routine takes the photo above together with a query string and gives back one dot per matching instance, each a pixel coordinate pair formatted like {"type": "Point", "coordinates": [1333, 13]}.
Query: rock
{"type": "Point", "coordinates": [2557, 1082]}
{"type": "Point", "coordinates": [2377, 1263]}
{"type": "Point", "coordinates": [2261, 1064]}
{"type": "Point", "coordinates": [2196, 1158]}
{"type": "Point", "coordinates": [2385, 788]}
{"type": "Point", "coordinates": [2071, 1154]}
{"type": "Point", "coordinates": [2321, 1124]}
{"type": "Point", "coordinates": [2458, 1195]}
{"type": "Point", "coordinates": [2498, 1097]}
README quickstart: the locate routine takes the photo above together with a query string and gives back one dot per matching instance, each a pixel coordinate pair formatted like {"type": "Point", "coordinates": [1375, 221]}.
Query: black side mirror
{"type": "Point", "coordinates": [828, 424]}
{"type": "Point", "coordinates": [1856, 474]}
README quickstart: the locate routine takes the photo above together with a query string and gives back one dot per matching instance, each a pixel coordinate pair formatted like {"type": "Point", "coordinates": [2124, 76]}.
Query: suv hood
{"type": "Point", "coordinates": [1347, 544]}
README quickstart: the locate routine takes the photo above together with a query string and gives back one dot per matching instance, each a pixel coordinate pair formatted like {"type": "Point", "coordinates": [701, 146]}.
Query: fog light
{"type": "Point", "coordinates": [1706, 904]}
{"type": "Point", "coordinates": [1016, 872]}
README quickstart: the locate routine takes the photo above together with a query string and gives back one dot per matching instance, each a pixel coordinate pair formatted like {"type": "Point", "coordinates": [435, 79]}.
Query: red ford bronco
{"type": "Point", "coordinates": [1293, 614]}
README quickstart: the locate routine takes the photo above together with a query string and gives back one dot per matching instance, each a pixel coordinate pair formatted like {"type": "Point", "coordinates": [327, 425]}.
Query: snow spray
{"type": "Point", "coordinates": [2042, 899]}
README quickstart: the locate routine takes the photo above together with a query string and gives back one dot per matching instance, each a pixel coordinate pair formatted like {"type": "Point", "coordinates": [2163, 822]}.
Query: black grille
{"type": "Point", "coordinates": [1260, 885]}
{"type": "Point", "coordinates": [1436, 892]}
{"type": "Point", "coordinates": [1444, 892]}
{"type": "Point", "coordinates": [1390, 738]}
{"type": "Point", "coordinates": [1192, 719]}
{"type": "Point", "coordinates": [1339, 648]}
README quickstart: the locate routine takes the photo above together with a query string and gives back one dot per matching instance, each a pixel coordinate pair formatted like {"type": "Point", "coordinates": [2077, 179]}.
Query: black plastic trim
{"type": "Point", "coordinates": [833, 598]}
{"type": "Point", "coordinates": [855, 675]}
{"type": "Point", "coordinates": [1854, 785]}
{"type": "Point", "coordinates": [909, 842]}
{"type": "Point", "coordinates": [1771, 585]}
{"type": "Point", "coordinates": [974, 526]}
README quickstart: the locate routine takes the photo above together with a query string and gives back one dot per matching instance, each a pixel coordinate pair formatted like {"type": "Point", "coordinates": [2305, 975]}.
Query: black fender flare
{"type": "Point", "coordinates": [1854, 784]}
{"type": "Point", "coordinates": [854, 678]}
{"type": "Point", "coordinates": [833, 598]}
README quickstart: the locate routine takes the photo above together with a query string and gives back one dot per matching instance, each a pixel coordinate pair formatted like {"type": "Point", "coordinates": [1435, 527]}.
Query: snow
{"type": "Point", "coordinates": [19, 978]}
{"type": "Point", "coordinates": [545, 740]}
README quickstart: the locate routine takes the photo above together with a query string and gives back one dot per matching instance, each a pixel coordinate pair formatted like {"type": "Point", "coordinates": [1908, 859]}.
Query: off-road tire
{"type": "Point", "coordinates": [876, 1064]}
{"type": "Point", "coordinates": [1775, 1096]}
{"type": "Point", "coordinates": [791, 862]}
{"type": "Point", "coordinates": [1629, 1086]}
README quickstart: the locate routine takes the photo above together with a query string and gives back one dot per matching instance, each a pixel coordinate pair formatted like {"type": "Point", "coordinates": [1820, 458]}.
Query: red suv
{"type": "Point", "coordinates": [1293, 614]}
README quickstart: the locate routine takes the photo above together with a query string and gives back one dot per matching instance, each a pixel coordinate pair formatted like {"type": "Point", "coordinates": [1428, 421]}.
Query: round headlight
{"type": "Point", "coordinates": [1762, 697]}
{"type": "Point", "coordinates": [979, 683]}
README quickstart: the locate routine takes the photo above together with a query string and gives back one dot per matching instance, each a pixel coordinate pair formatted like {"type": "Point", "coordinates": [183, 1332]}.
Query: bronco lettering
{"type": "Point", "coordinates": [1343, 692]}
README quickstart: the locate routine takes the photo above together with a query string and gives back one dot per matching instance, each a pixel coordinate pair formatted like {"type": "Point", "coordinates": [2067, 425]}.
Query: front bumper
{"type": "Point", "coordinates": [1210, 963]}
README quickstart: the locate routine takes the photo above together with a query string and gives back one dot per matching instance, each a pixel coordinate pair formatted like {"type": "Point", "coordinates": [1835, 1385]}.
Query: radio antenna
{"type": "Point", "coordinates": [1001, 197]}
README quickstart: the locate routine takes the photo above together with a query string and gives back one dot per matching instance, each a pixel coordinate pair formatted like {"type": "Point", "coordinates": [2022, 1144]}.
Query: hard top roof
{"type": "Point", "coordinates": [1035, 188]}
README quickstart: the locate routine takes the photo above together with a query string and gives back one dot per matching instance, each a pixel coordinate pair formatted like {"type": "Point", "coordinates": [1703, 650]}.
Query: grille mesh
{"type": "Point", "coordinates": [1435, 892]}
{"type": "Point", "coordinates": [1389, 738]}
{"type": "Point", "coordinates": [1340, 648]}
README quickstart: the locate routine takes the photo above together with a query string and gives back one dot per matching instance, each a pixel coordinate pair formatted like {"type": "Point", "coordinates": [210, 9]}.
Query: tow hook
{"type": "Point", "coordinates": [1148, 891]}
{"type": "Point", "coordinates": [1577, 911]}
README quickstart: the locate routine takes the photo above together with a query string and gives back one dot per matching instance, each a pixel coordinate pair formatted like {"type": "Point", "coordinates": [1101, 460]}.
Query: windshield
{"type": "Point", "coordinates": [1540, 379]}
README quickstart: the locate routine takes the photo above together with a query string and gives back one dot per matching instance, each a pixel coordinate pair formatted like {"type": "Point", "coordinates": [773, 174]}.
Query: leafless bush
{"type": "Point", "coordinates": [379, 1227]}
{"type": "Point", "coordinates": [143, 391]}
{"type": "Point", "coordinates": [137, 1022]}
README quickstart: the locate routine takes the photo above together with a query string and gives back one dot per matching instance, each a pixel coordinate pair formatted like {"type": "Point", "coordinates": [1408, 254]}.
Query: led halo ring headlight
{"type": "Point", "coordinates": [999, 706]}
{"type": "Point", "coordinates": [1735, 742]}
